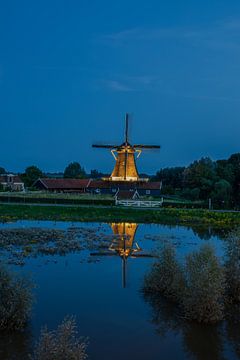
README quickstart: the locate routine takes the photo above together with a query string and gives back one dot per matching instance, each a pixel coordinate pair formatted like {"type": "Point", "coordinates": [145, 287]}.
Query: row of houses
{"type": "Point", "coordinates": [98, 186]}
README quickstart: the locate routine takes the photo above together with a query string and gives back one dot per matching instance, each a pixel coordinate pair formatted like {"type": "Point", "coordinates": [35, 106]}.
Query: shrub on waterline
{"type": "Point", "coordinates": [166, 276]}
{"type": "Point", "coordinates": [197, 286]}
{"type": "Point", "coordinates": [203, 298]}
{"type": "Point", "coordinates": [232, 267]}
{"type": "Point", "coordinates": [61, 344]}
{"type": "Point", "coordinates": [15, 300]}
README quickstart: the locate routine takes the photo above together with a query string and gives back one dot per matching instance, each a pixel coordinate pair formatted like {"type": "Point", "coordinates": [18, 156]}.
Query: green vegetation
{"type": "Point", "coordinates": [61, 344]}
{"type": "Point", "coordinates": [111, 214]}
{"type": "Point", "coordinates": [201, 286]}
{"type": "Point", "coordinates": [204, 179]}
{"type": "Point", "coordinates": [41, 197]}
{"type": "Point", "coordinates": [74, 171]}
{"type": "Point", "coordinates": [31, 174]}
{"type": "Point", "coordinates": [15, 300]}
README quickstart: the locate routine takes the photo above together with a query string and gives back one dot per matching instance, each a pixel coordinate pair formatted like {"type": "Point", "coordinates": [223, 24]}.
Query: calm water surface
{"type": "Point", "coordinates": [106, 298]}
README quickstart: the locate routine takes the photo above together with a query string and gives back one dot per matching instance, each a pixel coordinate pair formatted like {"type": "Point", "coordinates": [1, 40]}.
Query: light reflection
{"type": "Point", "coordinates": [124, 245]}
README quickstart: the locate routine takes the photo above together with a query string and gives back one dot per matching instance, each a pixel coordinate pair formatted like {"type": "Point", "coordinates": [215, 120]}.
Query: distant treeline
{"type": "Point", "coordinates": [201, 180]}
{"type": "Point", "coordinates": [204, 179]}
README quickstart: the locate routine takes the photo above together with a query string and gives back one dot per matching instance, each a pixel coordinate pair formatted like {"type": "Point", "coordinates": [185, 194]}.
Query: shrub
{"type": "Point", "coordinates": [205, 286]}
{"type": "Point", "coordinates": [198, 286]}
{"type": "Point", "coordinates": [15, 300]}
{"type": "Point", "coordinates": [166, 276]}
{"type": "Point", "coordinates": [232, 267]}
{"type": "Point", "coordinates": [61, 344]}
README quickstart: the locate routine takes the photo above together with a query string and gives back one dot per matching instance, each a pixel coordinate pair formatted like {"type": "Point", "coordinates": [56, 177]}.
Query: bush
{"type": "Point", "coordinates": [15, 300]}
{"type": "Point", "coordinates": [232, 267]}
{"type": "Point", "coordinates": [61, 344]}
{"type": "Point", "coordinates": [166, 276]}
{"type": "Point", "coordinates": [197, 286]}
{"type": "Point", "coordinates": [205, 286]}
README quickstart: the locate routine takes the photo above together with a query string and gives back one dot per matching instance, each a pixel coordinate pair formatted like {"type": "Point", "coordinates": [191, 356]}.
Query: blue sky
{"type": "Point", "coordinates": [69, 70]}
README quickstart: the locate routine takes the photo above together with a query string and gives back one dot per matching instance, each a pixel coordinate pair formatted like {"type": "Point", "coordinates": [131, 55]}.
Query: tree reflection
{"type": "Point", "coordinates": [16, 345]}
{"type": "Point", "coordinates": [200, 342]}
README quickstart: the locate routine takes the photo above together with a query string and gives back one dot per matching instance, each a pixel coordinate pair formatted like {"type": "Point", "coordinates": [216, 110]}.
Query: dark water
{"type": "Point", "coordinates": [120, 322]}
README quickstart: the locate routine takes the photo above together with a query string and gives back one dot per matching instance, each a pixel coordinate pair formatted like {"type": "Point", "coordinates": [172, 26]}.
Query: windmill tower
{"type": "Point", "coordinates": [125, 156]}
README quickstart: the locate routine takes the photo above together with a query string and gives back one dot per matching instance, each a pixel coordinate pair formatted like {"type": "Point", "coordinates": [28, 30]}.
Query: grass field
{"type": "Point", "coordinates": [115, 214]}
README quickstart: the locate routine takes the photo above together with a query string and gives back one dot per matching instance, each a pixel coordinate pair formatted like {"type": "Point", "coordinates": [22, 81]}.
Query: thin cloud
{"type": "Point", "coordinates": [117, 86]}
{"type": "Point", "coordinates": [222, 34]}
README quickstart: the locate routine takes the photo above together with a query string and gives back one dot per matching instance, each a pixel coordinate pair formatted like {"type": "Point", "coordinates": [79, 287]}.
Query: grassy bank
{"type": "Point", "coordinates": [113, 214]}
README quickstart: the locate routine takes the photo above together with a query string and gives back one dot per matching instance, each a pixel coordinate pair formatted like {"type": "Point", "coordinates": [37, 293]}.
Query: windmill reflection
{"type": "Point", "coordinates": [123, 244]}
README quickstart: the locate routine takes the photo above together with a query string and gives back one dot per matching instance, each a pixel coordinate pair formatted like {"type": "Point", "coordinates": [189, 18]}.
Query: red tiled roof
{"type": "Point", "coordinates": [17, 179]}
{"type": "Point", "coordinates": [150, 185]}
{"type": "Point", "coordinates": [99, 184]}
{"type": "Point", "coordinates": [64, 183]}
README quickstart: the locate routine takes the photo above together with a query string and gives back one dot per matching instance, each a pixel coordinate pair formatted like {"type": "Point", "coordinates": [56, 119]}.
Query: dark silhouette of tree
{"type": "Point", "coordinates": [31, 174]}
{"type": "Point", "coordinates": [74, 171]}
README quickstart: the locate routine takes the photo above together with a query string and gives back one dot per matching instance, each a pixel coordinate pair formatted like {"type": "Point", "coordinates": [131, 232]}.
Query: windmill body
{"type": "Point", "coordinates": [125, 156]}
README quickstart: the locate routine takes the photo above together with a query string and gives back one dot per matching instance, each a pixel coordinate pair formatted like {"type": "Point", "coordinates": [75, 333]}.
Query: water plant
{"type": "Point", "coordinates": [232, 266]}
{"type": "Point", "coordinates": [63, 343]}
{"type": "Point", "coordinates": [197, 286]}
{"type": "Point", "coordinates": [15, 300]}
{"type": "Point", "coordinates": [203, 298]}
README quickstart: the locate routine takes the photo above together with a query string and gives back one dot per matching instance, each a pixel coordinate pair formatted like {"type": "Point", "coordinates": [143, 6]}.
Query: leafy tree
{"type": "Point", "coordinates": [222, 192]}
{"type": "Point", "coordinates": [32, 173]}
{"type": "Point", "coordinates": [2, 170]}
{"type": "Point", "coordinates": [95, 174]}
{"type": "Point", "coordinates": [225, 170]}
{"type": "Point", "coordinates": [201, 174]}
{"type": "Point", "coordinates": [171, 177]}
{"type": "Point", "coordinates": [234, 160]}
{"type": "Point", "coordinates": [74, 170]}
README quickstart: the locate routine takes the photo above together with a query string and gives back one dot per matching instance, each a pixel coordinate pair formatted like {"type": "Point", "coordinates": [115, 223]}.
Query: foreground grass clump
{"type": "Point", "coordinates": [197, 285]}
{"type": "Point", "coordinates": [15, 300]}
{"type": "Point", "coordinates": [61, 344]}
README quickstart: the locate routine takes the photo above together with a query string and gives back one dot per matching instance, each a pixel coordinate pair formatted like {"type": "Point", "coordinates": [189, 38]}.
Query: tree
{"type": "Point", "coordinates": [222, 192]}
{"type": "Point", "coordinates": [32, 173]}
{"type": "Point", "coordinates": [225, 170]}
{"type": "Point", "coordinates": [74, 170]}
{"type": "Point", "coordinates": [201, 174]}
{"type": "Point", "coordinates": [172, 178]}
{"type": "Point", "coordinates": [2, 170]}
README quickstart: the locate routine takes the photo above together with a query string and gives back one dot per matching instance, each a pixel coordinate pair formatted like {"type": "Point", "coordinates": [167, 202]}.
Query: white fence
{"type": "Point", "coordinates": [139, 203]}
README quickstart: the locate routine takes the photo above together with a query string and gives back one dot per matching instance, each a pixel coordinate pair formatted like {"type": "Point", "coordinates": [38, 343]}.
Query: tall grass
{"type": "Point", "coordinates": [15, 300]}
{"type": "Point", "coordinates": [61, 344]}
{"type": "Point", "coordinates": [197, 286]}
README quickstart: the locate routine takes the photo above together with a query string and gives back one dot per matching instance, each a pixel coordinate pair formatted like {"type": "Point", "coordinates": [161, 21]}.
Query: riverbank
{"type": "Point", "coordinates": [116, 214]}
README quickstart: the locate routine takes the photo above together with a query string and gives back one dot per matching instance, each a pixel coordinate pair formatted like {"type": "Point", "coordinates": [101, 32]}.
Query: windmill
{"type": "Point", "coordinates": [125, 168]}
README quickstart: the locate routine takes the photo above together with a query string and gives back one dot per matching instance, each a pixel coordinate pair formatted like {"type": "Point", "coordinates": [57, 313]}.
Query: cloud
{"type": "Point", "coordinates": [117, 86]}
{"type": "Point", "coordinates": [126, 83]}
{"type": "Point", "coordinates": [221, 34]}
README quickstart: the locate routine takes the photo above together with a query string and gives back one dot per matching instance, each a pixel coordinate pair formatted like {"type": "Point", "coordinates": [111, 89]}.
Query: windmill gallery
{"type": "Point", "coordinates": [124, 180]}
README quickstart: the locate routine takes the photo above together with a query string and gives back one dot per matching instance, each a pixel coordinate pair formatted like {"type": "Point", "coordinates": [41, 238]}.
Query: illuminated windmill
{"type": "Point", "coordinates": [125, 168]}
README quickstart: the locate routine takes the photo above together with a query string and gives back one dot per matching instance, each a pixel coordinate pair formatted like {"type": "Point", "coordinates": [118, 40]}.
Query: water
{"type": "Point", "coordinates": [105, 296]}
